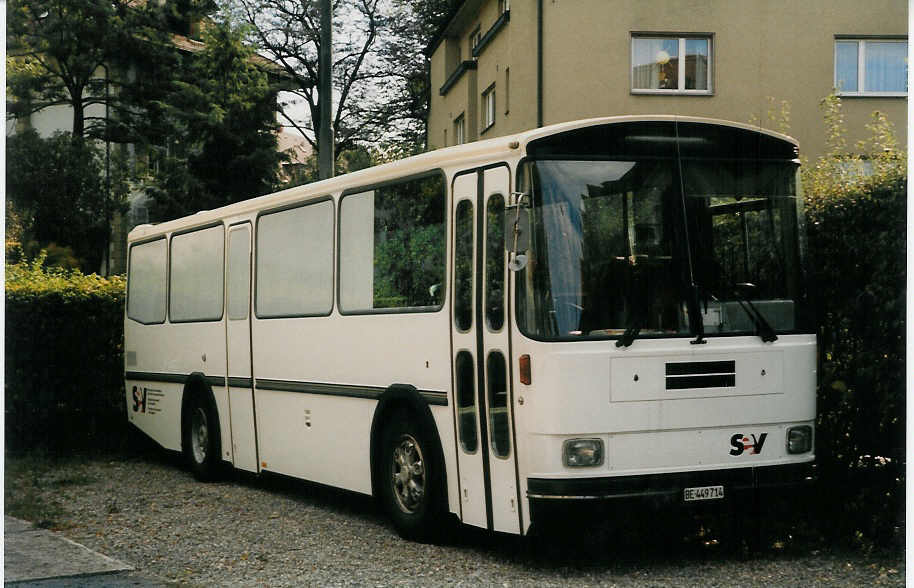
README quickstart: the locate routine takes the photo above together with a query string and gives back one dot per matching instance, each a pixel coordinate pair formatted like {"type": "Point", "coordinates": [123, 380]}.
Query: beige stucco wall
{"type": "Point", "coordinates": [514, 49]}
{"type": "Point", "coordinates": [781, 49]}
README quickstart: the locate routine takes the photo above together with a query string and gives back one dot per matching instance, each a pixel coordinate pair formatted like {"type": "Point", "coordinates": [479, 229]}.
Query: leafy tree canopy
{"type": "Point", "coordinates": [221, 146]}
{"type": "Point", "coordinates": [57, 187]}
{"type": "Point", "coordinates": [97, 57]}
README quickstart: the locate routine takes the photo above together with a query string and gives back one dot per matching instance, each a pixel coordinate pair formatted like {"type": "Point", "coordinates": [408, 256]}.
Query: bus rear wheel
{"type": "Point", "coordinates": [411, 481]}
{"type": "Point", "coordinates": [201, 441]}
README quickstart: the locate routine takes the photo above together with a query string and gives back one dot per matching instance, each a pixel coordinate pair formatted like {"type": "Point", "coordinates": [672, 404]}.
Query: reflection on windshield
{"type": "Point", "coordinates": [612, 246]}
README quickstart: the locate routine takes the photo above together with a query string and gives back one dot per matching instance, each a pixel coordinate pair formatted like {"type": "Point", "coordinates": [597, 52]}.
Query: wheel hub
{"type": "Point", "coordinates": [408, 474]}
{"type": "Point", "coordinates": [199, 435]}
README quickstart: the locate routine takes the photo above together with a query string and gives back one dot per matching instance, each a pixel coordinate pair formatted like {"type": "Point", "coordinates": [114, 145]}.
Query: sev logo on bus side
{"type": "Point", "coordinates": [139, 400]}
{"type": "Point", "coordinates": [146, 400]}
{"type": "Point", "coordinates": [742, 443]}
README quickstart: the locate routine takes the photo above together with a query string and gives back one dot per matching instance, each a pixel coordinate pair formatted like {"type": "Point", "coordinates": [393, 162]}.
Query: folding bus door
{"type": "Point", "coordinates": [482, 409]}
{"type": "Point", "coordinates": [238, 347]}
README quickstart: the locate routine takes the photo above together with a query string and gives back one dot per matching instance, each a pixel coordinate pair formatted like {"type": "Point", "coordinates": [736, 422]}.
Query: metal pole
{"type": "Point", "coordinates": [107, 180]}
{"type": "Point", "coordinates": [325, 94]}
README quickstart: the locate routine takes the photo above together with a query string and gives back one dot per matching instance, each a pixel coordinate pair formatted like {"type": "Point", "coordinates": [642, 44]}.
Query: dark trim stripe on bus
{"type": "Point", "coordinates": [372, 392]}
{"type": "Point", "coordinates": [433, 397]}
{"type": "Point", "coordinates": [171, 378]}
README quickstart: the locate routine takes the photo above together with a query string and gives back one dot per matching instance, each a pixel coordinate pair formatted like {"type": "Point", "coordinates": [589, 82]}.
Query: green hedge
{"type": "Point", "coordinates": [64, 359]}
{"type": "Point", "coordinates": [857, 251]}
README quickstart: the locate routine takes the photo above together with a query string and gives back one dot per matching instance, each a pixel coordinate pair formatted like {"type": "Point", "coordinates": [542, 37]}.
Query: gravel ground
{"type": "Point", "coordinates": [149, 512]}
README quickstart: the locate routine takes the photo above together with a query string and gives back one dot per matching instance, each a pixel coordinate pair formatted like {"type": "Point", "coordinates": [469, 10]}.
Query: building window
{"type": "Point", "coordinates": [671, 65]}
{"type": "Point", "coordinates": [488, 107]}
{"type": "Point", "coordinates": [460, 127]}
{"type": "Point", "coordinates": [871, 67]}
{"type": "Point", "coordinates": [475, 38]}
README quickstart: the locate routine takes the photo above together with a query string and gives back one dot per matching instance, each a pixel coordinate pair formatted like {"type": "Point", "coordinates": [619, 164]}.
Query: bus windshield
{"type": "Point", "coordinates": [637, 245]}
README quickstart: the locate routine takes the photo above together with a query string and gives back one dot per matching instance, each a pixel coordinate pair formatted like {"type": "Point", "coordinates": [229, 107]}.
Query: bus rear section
{"type": "Point", "coordinates": [663, 346]}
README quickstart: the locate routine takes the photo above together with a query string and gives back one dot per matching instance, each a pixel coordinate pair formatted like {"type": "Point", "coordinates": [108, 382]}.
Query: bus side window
{"type": "Point", "coordinates": [499, 427]}
{"type": "Point", "coordinates": [392, 243]}
{"type": "Point", "coordinates": [239, 275]}
{"type": "Point", "coordinates": [146, 282]}
{"type": "Point", "coordinates": [196, 292]}
{"type": "Point", "coordinates": [495, 263]}
{"type": "Point", "coordinates": [466, 401]}
{"type": "Point", "coordinates": [295, 262]}
{"type": "Point", "coordinates": [463, 267]}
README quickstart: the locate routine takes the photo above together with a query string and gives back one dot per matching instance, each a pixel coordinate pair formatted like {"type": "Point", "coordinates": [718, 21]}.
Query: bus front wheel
{"type": "Point", "coordinates": [201, 441]}
{"type": "Point", "coordinates": [411, 488]}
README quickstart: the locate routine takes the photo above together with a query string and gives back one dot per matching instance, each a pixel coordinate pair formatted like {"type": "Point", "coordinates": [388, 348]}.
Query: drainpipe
{"type": "Point", "coordinates": [539, 63]}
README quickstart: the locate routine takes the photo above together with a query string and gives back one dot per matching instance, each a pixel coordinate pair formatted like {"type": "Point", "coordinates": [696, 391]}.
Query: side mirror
{"type": "Point", "coordinates": [517, 221]}
{"type": "Point", "coordinates": [517, 237]}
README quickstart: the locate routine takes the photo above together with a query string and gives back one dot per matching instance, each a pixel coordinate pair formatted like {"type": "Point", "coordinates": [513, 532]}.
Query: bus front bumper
{"type": "Point", "coordinates": [685, 489]}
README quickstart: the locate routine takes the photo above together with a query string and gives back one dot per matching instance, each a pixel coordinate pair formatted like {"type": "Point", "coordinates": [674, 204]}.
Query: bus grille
{"type": "Point", "coordinates": [700, 374]}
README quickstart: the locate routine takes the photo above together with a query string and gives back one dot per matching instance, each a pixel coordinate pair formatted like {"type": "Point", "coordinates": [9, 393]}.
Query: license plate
{"type": "Point", "coordinates": [703, 493]}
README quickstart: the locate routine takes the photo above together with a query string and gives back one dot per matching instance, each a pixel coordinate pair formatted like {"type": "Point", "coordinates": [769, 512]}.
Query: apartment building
{"type": "Point", "coordinates": [500, 66]}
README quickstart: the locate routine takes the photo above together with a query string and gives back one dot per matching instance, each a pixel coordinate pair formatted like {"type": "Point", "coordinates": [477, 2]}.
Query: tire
{"type": "Point", "coordinates": [200, 436]}
{"type": "Point", "coordinates": [411, 479]}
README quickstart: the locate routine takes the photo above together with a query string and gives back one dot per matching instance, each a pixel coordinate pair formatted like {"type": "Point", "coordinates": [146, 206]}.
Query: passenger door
{"type": "Point", "coordinates": [238, 347]}
{"type": "Point", "coordinates": [486, 458]}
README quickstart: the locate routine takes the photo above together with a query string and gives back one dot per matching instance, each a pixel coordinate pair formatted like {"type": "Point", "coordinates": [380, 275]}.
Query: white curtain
{"type": "Point", "coordinates": [886, 70]}
{"type": "Point", "coordinates": [655, 64]}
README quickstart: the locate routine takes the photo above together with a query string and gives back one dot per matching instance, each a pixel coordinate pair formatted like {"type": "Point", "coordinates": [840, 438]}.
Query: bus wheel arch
{"type": "Point", "coordinates": [201, 440]}
{"type": "Point", "coordinates": [403, 429]}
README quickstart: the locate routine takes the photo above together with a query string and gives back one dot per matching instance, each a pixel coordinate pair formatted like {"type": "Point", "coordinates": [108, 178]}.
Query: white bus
{"type": "Point", "coordinates": [592, 311]}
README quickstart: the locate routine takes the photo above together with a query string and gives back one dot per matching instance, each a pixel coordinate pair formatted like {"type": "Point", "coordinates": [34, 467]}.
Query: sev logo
{"type": "Point", "coordinates": [139, 400]}
{"type": "Point", "coordinates": [742, 443]}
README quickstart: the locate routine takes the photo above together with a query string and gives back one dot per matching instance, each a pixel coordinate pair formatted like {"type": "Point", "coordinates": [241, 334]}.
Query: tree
{"type": "Point", "coordinates": [416, 26]}
{"type": "Point", "coordinates": [378, 70]}
{"type": "Point", "coordinates": [56, 187]}
{"type": "Point", "coordinates": [76, 53]}
{"type": "Point", "coordinates": [221, 143]}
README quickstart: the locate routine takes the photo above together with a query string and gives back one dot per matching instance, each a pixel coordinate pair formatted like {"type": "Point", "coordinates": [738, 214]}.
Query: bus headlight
{"type": "Point", "coordinates": [799, 439]}
{"type": "Point", "coordinates": [578, 453]}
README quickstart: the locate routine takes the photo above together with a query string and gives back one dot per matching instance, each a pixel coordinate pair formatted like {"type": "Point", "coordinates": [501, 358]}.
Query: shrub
{"type": "Point", "coordinates": [64, 359]}
{"type": "Point", "coordinates": [856, 229]}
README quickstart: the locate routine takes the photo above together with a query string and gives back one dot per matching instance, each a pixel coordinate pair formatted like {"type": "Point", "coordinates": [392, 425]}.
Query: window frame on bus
{"type": "Point", "coordinates": [243, 226]}
{"type": "Point", "coordinates": [443, 293]}
{"type": "Point", "coordinates": [165, 277]}
{"type": "Point", "coordinates": [187, 231]}
{"type": "Point", "coordinates": [255, 266]}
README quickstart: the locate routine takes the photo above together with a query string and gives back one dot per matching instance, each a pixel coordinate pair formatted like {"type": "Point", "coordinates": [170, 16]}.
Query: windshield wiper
{"type": "Point", "coordinates": [631, 333]}
{"type": "Point", "coordinates": [742, 297]}
{"type": "Point", "coordinates": [696, 319]}
{"type": "Point", "coordinates": [639, 300]}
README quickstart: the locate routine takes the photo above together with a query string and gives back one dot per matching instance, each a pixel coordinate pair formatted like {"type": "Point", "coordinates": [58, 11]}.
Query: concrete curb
{"type": "Point", "coordinates": [32, 554]}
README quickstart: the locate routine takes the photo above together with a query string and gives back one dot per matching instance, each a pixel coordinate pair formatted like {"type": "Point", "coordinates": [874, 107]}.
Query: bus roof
{"type": "Point", "coordinates": [465, 155]}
